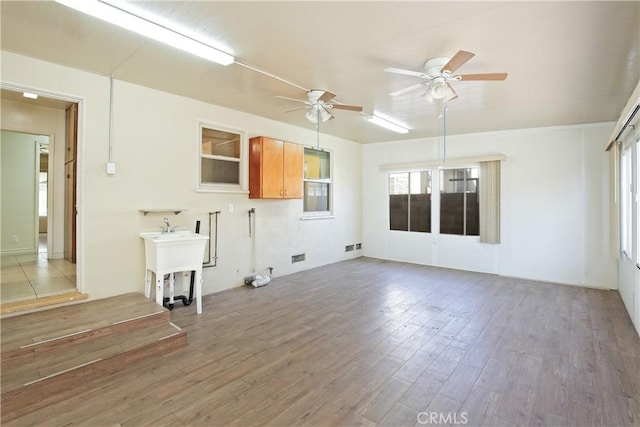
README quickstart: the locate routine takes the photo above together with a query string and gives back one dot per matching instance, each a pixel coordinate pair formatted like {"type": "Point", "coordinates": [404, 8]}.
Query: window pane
{"type": "Point", "coordinates": [316, 164]}
{"type": "Point", "coordinates": [420, 182]}
{"type": "Point", "coordinates": [626, 193]}
{"type": "Point", "coordinates": [219, 171]}
{"type": "Point", "coordinates": [399, 212]}
{"type": "Point", "coordinates": [473, 215]}
{"type": "Point", "coordinates": [220, 143]}
{"type": "Point", "coordinates": [399, 183]}
{"type": "Point", "coordinates": [316, 196]}
{"type": "Point", "coordinates": [420, 212]}
{"type": "Point", "coordinates": [451, 209]}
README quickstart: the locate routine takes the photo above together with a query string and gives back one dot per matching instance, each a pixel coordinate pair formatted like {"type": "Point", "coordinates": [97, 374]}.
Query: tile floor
{"type": "Point", "coordinates": [30, 276]}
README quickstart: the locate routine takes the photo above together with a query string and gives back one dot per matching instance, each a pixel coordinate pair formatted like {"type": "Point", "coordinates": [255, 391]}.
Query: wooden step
{"type": "Point", "coordinates": [46, 354]}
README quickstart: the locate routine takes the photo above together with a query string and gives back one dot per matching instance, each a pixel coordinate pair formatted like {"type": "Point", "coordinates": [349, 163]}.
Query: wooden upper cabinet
{"type": "Point", "coordinates": [275, 169]}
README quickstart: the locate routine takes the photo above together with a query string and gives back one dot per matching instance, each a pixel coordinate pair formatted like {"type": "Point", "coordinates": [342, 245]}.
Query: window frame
{"type": "Point", "coordinates": [330, 181]}
{"type": "Point", "coordinates": [219, 187]}
{"type": "Point", "coordinates": [409, 194]}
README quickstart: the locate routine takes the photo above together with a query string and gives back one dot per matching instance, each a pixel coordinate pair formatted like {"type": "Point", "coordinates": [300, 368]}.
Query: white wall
{"type": "Point", "coordinates": [554, 211]}
{"type": "Point", "coordinates": [35, 119]}
{"type": "Point", "coordinates": [155, 148]}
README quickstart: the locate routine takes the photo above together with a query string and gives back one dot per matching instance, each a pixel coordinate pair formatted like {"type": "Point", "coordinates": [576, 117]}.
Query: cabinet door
{"type": "Point", "coordinates": [272, 167]}
{"type": "Point", "coordinates": [293, 168]}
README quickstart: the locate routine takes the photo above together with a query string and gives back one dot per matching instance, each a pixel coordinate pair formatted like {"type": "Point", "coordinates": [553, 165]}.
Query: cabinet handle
{"type": "Point", "coordinates": [281, 192]}
{"type": "Point", "coordinates": [285, 192]}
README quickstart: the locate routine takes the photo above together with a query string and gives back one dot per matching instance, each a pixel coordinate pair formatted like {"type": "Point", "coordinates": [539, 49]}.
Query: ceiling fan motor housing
{"type": "Point", "coordinates": [434, 66]}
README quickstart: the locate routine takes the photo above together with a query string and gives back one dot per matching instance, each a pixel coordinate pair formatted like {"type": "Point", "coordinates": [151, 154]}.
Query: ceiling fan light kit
{"type": "Point", "coordinates": [318, 115]}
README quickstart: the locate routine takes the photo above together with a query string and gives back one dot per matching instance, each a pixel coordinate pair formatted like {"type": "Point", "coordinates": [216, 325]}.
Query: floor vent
{"type": "Point", "coordinates": [348, 248]}
{"type": "Point", "coordinates": [297, 258]}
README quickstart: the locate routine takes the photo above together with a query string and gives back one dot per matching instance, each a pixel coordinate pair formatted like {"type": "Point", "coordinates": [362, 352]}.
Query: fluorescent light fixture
{"type": "Point", "coordinates": [384, 122]}
{"type": "Point", "coordinates": [116, 14]}
{"type": "Point", "coordinates": [30, 95]}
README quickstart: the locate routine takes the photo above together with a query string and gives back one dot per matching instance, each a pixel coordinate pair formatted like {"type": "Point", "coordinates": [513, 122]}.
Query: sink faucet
{"type": "Point", "coordinates": [167, 228]}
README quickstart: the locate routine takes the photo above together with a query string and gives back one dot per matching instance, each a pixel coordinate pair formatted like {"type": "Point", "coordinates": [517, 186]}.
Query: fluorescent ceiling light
{"type": "Point", "coordinates": [126, 19]}
{"type": "Point", "coordinates": [386, 123]}
{"type": "Point", "coordinates": [30, 95]}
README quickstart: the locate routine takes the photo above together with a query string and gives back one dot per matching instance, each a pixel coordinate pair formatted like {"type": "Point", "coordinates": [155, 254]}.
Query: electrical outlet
{"type": "Point", "coordinates": [15, 239]}
{"type": "Point", "coordinates": [111, 168]}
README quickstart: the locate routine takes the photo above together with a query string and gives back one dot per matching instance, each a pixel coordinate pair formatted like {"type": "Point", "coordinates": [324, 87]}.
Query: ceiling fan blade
{"type": "Point", "coordinates": [294, 109]}
{"type": "Point", "coordinates": [486, 76]}
{"type": "Point", "coordinates": [345, 107]}
{"type": "Point", "coordinates": [326, 96]}
{"type": "Point", "coordinates": [408, 89]}
{"type": "Point", "coordinates": [406, 72]}
{"type": "Point", "coordinates": [453, 92]}
{"type": "Point", "coordinates": [457, 61]}
{"type": "Point", "coordinates": [292, 99]}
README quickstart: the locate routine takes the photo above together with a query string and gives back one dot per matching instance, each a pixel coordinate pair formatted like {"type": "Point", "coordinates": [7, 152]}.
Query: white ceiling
{"type": "Point", "coordinates": [568, 62]}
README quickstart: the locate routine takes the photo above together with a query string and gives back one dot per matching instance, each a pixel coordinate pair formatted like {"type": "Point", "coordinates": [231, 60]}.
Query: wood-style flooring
{"type": "Point", "coordinates": [369, 342]}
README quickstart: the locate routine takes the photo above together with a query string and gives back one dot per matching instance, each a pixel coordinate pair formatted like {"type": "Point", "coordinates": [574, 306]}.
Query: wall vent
{"type": "Point", "coordinates": [348, 248]}
{"type": "Point", "coordinates": [297, 258]}
{"type": "Point", "coordinates": [358, 245]}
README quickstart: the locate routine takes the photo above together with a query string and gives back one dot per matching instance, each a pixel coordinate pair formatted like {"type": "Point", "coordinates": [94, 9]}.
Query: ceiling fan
{"type": "Point", "coordinates": [319, 104]}
{"type": "Point", "coordinates": [437, 75]}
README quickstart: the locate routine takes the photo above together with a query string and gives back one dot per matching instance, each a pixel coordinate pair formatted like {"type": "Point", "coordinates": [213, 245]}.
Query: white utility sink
{"type": "Point", "coordinates": [168, 253]}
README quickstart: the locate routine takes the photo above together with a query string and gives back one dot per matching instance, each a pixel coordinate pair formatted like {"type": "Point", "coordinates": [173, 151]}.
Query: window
{"type": "Point", "coordinates": [222, 153]}
{"type": "Point", "coordinates": [317, 181]}
{"type": "Point", "coordinates": [629, 210]}
{"type": "Point", "coordinates": [626, 201]}
{"type": "Point", "coordinates": [410, 201]}
{"type": "Point", "coordinates": [459, 210]}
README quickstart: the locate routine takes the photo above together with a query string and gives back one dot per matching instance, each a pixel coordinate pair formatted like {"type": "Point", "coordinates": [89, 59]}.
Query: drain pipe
{"type": "Point", "coordinates": [252, 212]}
{"type": "Point", "coordinates": [213, 237]}
{"type": "Point", "coordinates": [193, 276]}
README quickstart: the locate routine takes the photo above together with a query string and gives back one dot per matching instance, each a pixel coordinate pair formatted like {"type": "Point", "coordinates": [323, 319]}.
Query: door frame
{"type": "Point", "coordinates": [80, 265]}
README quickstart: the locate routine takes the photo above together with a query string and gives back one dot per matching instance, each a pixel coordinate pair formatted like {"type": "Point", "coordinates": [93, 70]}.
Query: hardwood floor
{"type": "Point", "coordinates": [369, 342]}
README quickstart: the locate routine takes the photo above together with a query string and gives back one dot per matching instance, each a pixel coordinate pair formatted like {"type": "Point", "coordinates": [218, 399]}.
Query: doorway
{"type": "Point", "coordinates": [37, 273]}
